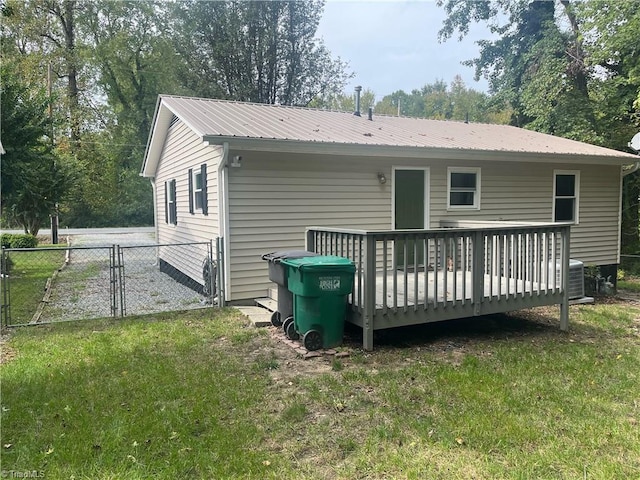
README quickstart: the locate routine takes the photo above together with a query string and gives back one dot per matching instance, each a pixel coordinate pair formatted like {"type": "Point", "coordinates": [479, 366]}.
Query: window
{"type": "Point", "coordinates": [463, 188]}
{"type": "Point", "coordinates": [566, 187]}
{"type": "Point", "coordinates": [170, 211]}
{"type": "Point", "coordinates": [198, 190]}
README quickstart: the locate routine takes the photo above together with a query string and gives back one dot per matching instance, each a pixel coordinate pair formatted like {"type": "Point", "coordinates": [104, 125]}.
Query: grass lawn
{"type": "Point", "coordinates": [27, 280]}
{"type": "Point", "coordinates": [201, 395]}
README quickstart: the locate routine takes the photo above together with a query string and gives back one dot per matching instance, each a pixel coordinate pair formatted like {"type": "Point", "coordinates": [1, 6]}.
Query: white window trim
{"type": "Point", "coordinates": [476, 197]}
{"type": "Point", "coordinates": [197, 192]}
{"type": "Point", "coordinates": [576, 212]}
{"type": "Point", "coordinates": [170, 204]}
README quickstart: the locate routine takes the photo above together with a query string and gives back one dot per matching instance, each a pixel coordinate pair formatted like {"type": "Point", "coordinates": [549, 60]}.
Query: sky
{"type": "Point", "coordinates": [393, 45]}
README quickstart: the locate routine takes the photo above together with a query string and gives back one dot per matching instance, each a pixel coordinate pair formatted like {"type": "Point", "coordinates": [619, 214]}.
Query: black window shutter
{"type": "Point", "coordinates": [166, 202]}
{"type": "Point", "coordinates": [191, 210]}
{"type": "Point", "coordinates": [175, 202]}
{"type": "Point", "coordinates": [203, 171]}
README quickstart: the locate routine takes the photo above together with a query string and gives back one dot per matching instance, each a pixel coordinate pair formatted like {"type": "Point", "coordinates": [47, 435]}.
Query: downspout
{"type": "Point", "coordinates": [633, 169]}
{"type": "Point", "coordinates": [152, 180]}
{"type": "Point", "coordinates": [624, 173]}
{"type": "Point", "coordinates": [223, 215]}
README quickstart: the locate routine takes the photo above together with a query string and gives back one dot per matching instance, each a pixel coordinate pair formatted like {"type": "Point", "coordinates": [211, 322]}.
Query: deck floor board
{"type": "Point", "coordinates": [441, 286]}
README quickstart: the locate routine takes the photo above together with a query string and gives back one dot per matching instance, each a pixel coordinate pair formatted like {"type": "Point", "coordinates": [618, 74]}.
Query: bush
{"type": "Point", "coordinates": [19, 240]}
{"type": "Point", "coordinates": [5, 239]}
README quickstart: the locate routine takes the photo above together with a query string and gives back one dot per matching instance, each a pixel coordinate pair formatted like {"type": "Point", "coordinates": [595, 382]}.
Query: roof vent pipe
{"type": "Point", "coordinates": [358, 90]}
{"type": "Point", "coordinates": [370, 113]}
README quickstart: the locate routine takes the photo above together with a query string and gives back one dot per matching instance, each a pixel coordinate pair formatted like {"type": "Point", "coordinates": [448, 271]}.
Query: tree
{"type": "Point", "coordinates": [32, 180]}
{"type": "Point", "coordinates": [536, 66]}
{"type": "Point", "coordinates": [444, 102]}
{"type": "Point", "coordinates": [344, 102]}
{"type": "Point", "coordinates": [567, 68]}
{"type": "Point", "coordinates": [255, 51]}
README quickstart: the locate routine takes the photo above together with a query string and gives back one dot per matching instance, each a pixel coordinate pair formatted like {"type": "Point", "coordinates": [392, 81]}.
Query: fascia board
{"type": "Point", "coordinates": [295, 146]}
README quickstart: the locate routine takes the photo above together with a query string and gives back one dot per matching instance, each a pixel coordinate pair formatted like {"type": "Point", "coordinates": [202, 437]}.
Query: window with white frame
{"type": "Point", "coordinates": [198, 190]}
{"type": "Point", "coordinates": [566, 196]}
{"type": "Point", "coordinates": [463, 188]}
{"type": "Point", "coordinates": [170, 211]}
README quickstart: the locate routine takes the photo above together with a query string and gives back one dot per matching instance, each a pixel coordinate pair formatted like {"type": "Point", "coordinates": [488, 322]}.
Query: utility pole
{"type": "Point", "coordinates": [54, 217]}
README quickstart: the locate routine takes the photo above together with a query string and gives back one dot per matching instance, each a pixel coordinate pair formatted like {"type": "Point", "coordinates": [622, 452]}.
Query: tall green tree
{"type": "Point", "coordinates": [255, 51]}
{"type": "Point", "coordinates": [441, 101]}
{"type": "Point", "coordinates": [33, 180]}
{"type": "Point", "coordinates": [570, 68]}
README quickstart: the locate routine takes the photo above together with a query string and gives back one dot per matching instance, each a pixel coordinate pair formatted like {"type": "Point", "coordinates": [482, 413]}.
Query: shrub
{"type": "Point", "coordinates": [5, 240]}
{"type": "Point", "coordinates": [19, 240]}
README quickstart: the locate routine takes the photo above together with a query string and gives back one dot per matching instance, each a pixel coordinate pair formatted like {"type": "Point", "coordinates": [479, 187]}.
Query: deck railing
{"type": "Point", "coordinates": [463, 269]}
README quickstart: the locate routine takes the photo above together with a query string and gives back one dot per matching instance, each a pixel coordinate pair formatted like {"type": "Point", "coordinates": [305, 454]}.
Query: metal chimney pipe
{"type": "Point", "coordinates": [370, 113]}
{"type": "Point", "coordinates": [358, 90]}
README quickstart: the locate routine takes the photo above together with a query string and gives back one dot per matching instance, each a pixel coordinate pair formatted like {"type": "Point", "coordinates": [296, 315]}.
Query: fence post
{"type": "Point", "coordinates": [121, 281]}
{"type": "Point", "coordinates": [112, 281]}
{"type": "Point", "coordinates": [5, 288]}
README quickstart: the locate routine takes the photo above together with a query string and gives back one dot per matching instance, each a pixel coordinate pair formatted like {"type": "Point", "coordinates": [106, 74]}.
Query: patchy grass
{"type": "Point", "coordinates": [28, 279]}
{"type": "Point", "coordinates": [631, 284]}
{"type": "Point", "coordinates": [198, 394]}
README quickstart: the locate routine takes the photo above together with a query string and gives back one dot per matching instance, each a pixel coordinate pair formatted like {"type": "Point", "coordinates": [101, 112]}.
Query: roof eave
{"type": "Point", "coordinates": [350, 149]}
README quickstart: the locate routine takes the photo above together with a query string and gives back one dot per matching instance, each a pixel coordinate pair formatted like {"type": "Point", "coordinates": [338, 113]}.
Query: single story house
{"type": "Point", "coordinates": [258, 175]}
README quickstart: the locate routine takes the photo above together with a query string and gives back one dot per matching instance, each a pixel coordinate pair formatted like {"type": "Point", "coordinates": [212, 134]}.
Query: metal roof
{"type": "Point", "coordinates": [218, 121]}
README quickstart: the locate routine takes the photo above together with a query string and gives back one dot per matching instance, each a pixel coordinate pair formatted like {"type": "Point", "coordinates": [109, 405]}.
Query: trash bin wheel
{"type": "Point", "coordinates": [276, 319]}
{"type": "Point", "coordinates": [289, 328]}
{"type": "Point", "coordinates": [312, 340]}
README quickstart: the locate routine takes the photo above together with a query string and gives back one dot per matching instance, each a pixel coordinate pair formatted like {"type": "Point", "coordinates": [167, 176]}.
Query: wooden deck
{"type": "Point", "coordinates": [439, 287]}
{"type": "Point", "coordinates": [407, 277]}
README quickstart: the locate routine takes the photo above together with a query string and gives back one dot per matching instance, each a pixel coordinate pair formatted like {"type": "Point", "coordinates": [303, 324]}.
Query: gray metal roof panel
{"type": "Point", "coordinates": [230, 119]}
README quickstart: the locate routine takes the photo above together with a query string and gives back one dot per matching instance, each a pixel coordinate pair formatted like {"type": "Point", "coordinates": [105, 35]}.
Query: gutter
{"type": "Point", "coordinates": [223, 215]}
{"type": "Point", "coordinates": [406, 151]}
{"type": "Point", "coordinates": [633, 169]}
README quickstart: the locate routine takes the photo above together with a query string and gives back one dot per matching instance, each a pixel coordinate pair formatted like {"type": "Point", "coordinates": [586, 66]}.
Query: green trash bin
{"type": "Point", "coordinates": [320, 286]}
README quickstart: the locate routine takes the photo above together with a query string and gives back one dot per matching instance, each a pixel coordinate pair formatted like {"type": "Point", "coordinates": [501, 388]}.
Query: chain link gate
{"type": "Point", "coordinates": [45, 285]}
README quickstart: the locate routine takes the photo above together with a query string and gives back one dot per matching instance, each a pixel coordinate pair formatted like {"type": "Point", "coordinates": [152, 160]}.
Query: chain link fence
{"type": "Point", "coordinates": [44, 285]}
{"type": "Point", "coordinates": [630, 265]}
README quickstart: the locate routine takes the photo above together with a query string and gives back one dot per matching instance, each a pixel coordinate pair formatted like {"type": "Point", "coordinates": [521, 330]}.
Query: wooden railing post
{"type": "Point", "coordinates": [369, 301]}
{"type": "Point", "coordinates": [478, 262]}
{"type": "Point", "coordinates": [564, 306]}
{"type": "Point", "coordinates": [310, 243]}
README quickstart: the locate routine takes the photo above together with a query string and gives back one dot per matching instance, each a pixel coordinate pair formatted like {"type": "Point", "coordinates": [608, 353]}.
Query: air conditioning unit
{"type": "Point", "coordinates": [576, 278]}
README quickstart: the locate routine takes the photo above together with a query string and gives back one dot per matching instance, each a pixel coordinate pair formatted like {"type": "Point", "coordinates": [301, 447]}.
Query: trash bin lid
{"type": "Point", "coordinates": [276, 257]}
{"type": "Point", "coordinates": [321, 262]}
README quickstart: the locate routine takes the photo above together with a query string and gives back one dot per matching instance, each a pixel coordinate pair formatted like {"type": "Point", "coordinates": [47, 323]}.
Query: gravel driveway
{"type": "Point", "coordinates": [82, 288]}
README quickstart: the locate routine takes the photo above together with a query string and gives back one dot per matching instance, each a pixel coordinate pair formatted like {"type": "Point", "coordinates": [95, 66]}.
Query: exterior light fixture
{"type": "Point", "coordinates": [382, 178]}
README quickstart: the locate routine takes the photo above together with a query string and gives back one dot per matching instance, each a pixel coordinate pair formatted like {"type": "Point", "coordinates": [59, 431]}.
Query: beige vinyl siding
{"type": "Point", "coordinates": [524, 192]}
{"type": "Point", "coordinates": [274, 197]}
{"type": "Point", "coordinates": [184, 150]}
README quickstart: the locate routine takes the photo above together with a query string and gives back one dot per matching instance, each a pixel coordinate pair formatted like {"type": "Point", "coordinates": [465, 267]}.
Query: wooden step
{"type": "Point", "coordinates": [267, 303]}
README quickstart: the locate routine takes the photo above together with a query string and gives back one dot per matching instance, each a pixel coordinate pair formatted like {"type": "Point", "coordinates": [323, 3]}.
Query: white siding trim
{"type": "Point", "coordinates": [620, 216]}
{"type": "Point", "coordinates": [427, 193]}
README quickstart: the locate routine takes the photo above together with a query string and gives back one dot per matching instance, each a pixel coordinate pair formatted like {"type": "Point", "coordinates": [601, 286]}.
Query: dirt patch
{"type": "Point", "coordinates": [6, 352]}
